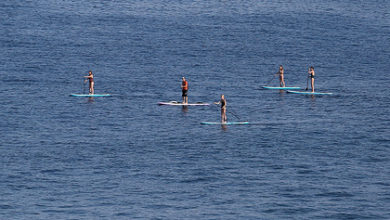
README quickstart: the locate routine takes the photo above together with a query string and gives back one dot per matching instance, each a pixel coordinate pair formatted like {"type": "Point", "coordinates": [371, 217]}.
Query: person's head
{"type": "Point", "coordinates": [183, 79]}
{"type": "Point", "coordinates": [281, 68]}
{"type": "Point", "coordinates": [312, 68]}
{"type": "Point", "coordinates": [222, 96]}
{"type": "Point", "coordinates": [90, 72]}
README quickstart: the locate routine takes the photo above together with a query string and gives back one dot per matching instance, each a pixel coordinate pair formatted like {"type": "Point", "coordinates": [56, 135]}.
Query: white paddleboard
{"type": "Point", "coordinates": [175, 103]}
{"type": "Point", "coordinates": [89, 95]}
{"type": "Point", "coordinates": [310, 93]}
{"type": "Point", "coordinates": [280, 88]}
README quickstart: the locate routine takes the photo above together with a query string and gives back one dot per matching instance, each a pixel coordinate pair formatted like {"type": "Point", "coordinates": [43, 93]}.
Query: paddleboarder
{"type": "Point", "coordinates": [223, 103]}
{"type": "Point", "coordinates": [311, 76]}
{"type": "Point", "coordinates": [91, 83]}
{"type": "Point", "coordinates": [184, 90]}
{"type": "Point", "coordinates": [281, 76]}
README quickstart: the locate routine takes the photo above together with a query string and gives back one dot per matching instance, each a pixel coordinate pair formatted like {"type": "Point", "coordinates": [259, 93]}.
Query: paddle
{"type": "Point", "coordinates": [231, 111]}
{"type": "Point", "coordinates": [234, 114]}
{"type": "Point", "coordinates": [307, 83]}
{"type": "Point", "coordinates": [83, 91]}
{"type": "Point", "coordinates": [84, 82]}
{"type": "Point", "coordinates": [270, 80]}
{"type": "Point", "coordinates": [216, 103]}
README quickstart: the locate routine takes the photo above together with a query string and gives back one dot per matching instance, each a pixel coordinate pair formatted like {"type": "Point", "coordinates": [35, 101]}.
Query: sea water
{"type": "Point", "coordinates": [125, 157]}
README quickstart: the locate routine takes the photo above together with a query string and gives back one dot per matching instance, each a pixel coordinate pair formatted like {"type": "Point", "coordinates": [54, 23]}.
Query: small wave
{"type": "Point", "coordinates": [335, 194]}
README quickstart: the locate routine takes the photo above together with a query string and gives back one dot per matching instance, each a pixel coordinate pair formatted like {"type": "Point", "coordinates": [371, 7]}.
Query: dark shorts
{"type": "Point", "coordinates": [184, 93]}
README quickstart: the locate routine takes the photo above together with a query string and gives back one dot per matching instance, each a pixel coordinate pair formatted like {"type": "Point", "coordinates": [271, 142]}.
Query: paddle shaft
{"type": "Point", "coordinates": [84, 86]}
{"type": "Point", "coordinates": [307, 83]}
{"type": "Point", "coordinates": [231, 111]}
{"type": "Point", "coordinates": [271, 80]}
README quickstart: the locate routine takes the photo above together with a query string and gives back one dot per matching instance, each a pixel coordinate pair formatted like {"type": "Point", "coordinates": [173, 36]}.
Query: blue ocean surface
{"type": "Point", "coordinates": [125, 157]}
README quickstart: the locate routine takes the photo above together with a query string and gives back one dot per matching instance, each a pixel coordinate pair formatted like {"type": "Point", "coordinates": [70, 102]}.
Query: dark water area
{"type": "Point", "coordinates": [125, 157]}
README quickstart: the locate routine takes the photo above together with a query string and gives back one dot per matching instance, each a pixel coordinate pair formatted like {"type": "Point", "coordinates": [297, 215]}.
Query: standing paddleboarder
{"type": "Point", "coordinates": [184, 90]}
{"type": "Point", "coordinates": [91, 83]}
{"type": "Point", "coordinates": [281, 76]}
{"type": "Point", "coordinates": [311, 76]}
{"type": "Point", "coordinates": [223, 108]}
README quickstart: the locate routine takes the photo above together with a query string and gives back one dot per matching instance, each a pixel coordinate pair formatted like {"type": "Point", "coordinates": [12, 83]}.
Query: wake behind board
{"type": "Point", "coordinates": [280, 88]}
{"type": "Point", "coordinates": [89, 95]}
{"type": "Point", "coordinates": [175, 103]}
{"type": "Point", "coordinates": [225, 123]}
{"type": "Point", "coordinates": [310, 93]}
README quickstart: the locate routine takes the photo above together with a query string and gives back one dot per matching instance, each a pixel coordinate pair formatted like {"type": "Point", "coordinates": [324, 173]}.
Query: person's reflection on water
{"type": "Point", "coordinates": [184, 109]}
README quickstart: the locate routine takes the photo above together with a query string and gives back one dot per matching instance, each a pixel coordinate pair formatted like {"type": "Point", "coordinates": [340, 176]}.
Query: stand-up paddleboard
{"type": "Point", "coordinates": [89, 95]}
{"type": "Point", "coordinates": [175, 103]}
{"type": "Point", "coordinates": [225, 123]}
{"type": "Point", "coordinates": [281, 88]}
{"type": "Point", "coordinates": [310, 93]}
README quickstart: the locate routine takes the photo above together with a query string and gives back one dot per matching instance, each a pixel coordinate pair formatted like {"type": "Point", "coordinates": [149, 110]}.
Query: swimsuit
{"type": "Point", "coordinates": [184, 93]}
{"type": "Point", "coordinates": [223, 104]}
